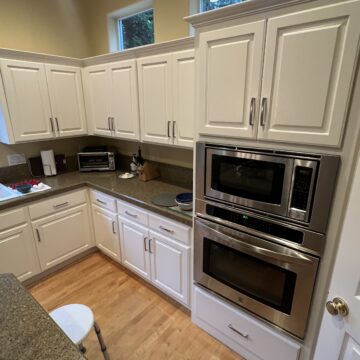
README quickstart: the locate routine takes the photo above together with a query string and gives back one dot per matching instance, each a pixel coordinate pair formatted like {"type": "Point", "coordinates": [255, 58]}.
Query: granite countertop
{"type": "Point", "coordinates": [26, 329]}
{"type": "Point", "coordinates": [131, 190]}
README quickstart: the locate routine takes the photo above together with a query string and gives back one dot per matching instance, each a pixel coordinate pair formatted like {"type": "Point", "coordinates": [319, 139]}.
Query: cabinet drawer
{"type": "Point", "coordinates": [12, 218]}
{"type": "Point", "coordinates": [170, 228]}
{"type": "Point", "coordinates": [58, 203]}
{"type": "Point", "coordinates": [132, 213]}
{"type": "Point", "coordinates": [102, 200]}
{"type": "Point", "coordinates": [240, 331]}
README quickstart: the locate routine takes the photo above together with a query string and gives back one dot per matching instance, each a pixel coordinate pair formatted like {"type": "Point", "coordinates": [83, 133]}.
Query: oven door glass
{"type": "Point", "coordinates": [248, 178]}
{"type": "Point", "coordinates": [258, 279]}
{"type": "Point", "coordinates": [94, 161]}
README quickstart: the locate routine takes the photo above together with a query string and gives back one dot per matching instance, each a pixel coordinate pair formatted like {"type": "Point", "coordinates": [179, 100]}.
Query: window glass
{"type": "Point", "coordinates": [136, 30]}
{"type": "Point", "coordinates": [206, 5]}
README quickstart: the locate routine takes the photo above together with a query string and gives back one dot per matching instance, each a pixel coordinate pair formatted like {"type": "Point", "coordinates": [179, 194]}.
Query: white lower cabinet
{"type": "Point", "coordinates": [243, 333]}
{"type": "Point", "coordinates": [62, 235]}
{"type": "Point", "coordinates": [106, 232]}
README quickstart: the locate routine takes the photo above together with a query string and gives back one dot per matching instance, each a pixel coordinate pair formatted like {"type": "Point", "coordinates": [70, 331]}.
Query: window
{"type": "Point", "coordinates": [131, 26]}
{"type": "Point", "coordinates": [206, 5]}
{"type": "Point", "coordinates": [136, 30]}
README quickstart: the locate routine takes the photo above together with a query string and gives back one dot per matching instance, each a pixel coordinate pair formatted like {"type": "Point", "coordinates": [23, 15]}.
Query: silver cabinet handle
{"type": "Point", "coordinates": [38, 235]}
{"type": "Point", "coordinates": [57, 124]}
{"type": "Point", "coordinates": [252, 111]}
{"type": "Point", "coordinates": [52, 125]}
{"type": "Point", "coordinates": [145, 248]}
{"type": "Point", "coordinates": [112, 124]}
{"type": "Point", "coordinates": [130, 214]}
{"type": "Point", "coordinates": [173, 129]}
{"type": "Point", "coordinates": [150, 246]}
{"type": "Point", "coordinates": [61, 205]}
{"type": "Point", "coordinates": [168, 129]}
{"type": "Point", "coordinates": [246, 336]}
{"type": "Point", "coordinates": [113, 227]}
{"type": "Point", "coordinates": [109, 126]}
{"type": "Point", "coordinates": [101, 202]}
{"type": "Point", "coordinates": [167, 230]}
{"type": "Point", "coordinates": [263, 111]}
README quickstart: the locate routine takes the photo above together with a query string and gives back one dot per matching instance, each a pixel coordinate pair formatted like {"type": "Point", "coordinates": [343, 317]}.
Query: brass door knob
{"type": "Point", "coordinates": [337, 306]}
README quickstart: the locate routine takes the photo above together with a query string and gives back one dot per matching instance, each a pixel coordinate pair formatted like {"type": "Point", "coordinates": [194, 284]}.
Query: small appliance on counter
{"type": "Point", "coordinates": [48, 162]}
{"type": "Point", "coordinates": [96, 158]}
{"type": "Point", "coordinates": [37, 169]}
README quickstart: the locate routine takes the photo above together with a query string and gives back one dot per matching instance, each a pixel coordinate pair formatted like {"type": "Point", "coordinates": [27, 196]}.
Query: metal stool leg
{"type": "Point", "coordinates": [101, 341]}
{"type": "Point", "coordinates": [82, 348]}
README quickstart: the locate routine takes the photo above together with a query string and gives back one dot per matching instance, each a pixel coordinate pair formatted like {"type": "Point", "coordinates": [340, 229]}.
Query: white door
{"type": "Point", "coordinates": [124, 100]}
{"type": "Point", "coordinates": [170, 266]}
{"type": "Point", "coordinates": [134, 247]}
{"type": "Point", "coordinates": [28, 100]}
{"type": "Point", "coordinates": [309, 63]}
{"type": "Point", "coordinates": [106, 232]}
{"type": "Point", "coordinates": [17, 253]}
{"type": "Point", "coordinates": [62, 236]}
{"type": "Point", "coordinates": [155, 98]}
{"type": "Point", "coordinates": [230, 64]}
{"type": "Point", "coordinates": [340, 336]}
{"type": "Point", "coordinates": [183, 126]}
{"type": "Point", "coordinates": [67, 99]}
{"type": "Point", "coordinates": [97, 99]}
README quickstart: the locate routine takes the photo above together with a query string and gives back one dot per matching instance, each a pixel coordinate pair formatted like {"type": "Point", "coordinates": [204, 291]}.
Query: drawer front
{"type": "Point", "coordinates": [133, 213]}
{"type": "Point", "coordinates": [170, 228]}
{"type": "Point", "coordinates": [58, 203]}
{"type": "Point", "coordinates": [103, 200]}
{"type": "Point", "coordinates": [9, 219]}
{"type": "Point", "coordinates": [242, 330]}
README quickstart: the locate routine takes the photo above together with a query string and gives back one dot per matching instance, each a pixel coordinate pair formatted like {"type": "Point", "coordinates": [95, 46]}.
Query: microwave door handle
{"type": "Point", "coordinates": [262, 252]}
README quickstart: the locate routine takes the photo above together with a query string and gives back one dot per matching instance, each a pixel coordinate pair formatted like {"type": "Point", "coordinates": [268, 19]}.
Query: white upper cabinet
{"type": "Point", "coordinates": [155, 97]}
{"type": "Point", "coordinates": [96, 85]}
{"type": "Point", "coordinates": [230, 78]}
{"type": "Point", "coordinates": [67, 99]}
{"type": "Point", "coordinates": [183, 98]}
{"type": "Point", "coordinates": [28, 100]}
{"type": "Point", "coordinates": [310, 58]}
{"type": "Point", "coordinates": [124, 102]}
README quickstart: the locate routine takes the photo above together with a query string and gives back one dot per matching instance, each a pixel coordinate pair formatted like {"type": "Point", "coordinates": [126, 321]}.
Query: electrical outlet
{"type": "Point", "coordinates": [16, 159]}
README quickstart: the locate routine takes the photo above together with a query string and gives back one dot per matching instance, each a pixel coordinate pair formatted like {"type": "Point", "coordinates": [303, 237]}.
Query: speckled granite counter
{"type": "Point", "coordinates": [26, 330]}
{"type": "Point", "coordinates": [132, 190]}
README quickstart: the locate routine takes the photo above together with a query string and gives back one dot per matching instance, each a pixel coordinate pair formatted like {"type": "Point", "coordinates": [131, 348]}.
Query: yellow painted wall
{"type": "Point", "coordinates": [45, 26]}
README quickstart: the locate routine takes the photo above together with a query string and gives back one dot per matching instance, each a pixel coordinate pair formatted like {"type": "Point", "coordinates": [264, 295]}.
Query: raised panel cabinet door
{"type": "Point", "coordinates": [230, 66]}
{"type": "Point", "coordinates": [134, 247]}
{"type": "Point", "coordinates": [106, 232]}
{"type": "Point", "coordinates": [97, 99]}
{"type": "Point", "coordinates": [6, 131]}
{"type": "Point", "coordinates": [155, 98]}
{"type": "Point", "coordinates": [183, 127]}
{"type": "Point", "coordinates": [28, 100]}
{"type": "Point", "coordinates": [17, 253]}
{"type": "Point", "coordinates": [124, 100]}
{"type": "Point", "coordinates": [170, 262]}
{"type": "Point", "coordinates": [62, 235]}
{"type": "Point", "coordinates": [66, 99]}
{"type": "Point", "coordinates": [310, 58]}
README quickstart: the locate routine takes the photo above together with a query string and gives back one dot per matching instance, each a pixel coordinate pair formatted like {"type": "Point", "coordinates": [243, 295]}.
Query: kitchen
{"type": "Point", "coordinates": [223, 110]}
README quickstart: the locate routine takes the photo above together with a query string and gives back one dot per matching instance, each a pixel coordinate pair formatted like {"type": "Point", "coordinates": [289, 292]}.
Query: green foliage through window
{"type": "Point", "coordinates": [136, 30]}
{"type": "Point", "coordinates": [207, 5]}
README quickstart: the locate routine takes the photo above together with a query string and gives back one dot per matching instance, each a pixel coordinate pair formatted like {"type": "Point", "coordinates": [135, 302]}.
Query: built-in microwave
{"type": "Point", "coordinates": [297, 187]}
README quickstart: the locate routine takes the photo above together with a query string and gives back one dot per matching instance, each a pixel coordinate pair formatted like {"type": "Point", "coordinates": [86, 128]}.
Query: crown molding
{"type": "Point", "coordinates": [236, 11]}
{"type": "Point", "coordinates": [140, 51]}
{"type": "Point", "coordinates": [38, 57]}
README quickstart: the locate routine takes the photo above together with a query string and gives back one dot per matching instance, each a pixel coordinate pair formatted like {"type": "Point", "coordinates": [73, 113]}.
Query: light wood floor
{"type": "Point", "coordinates": [137, 321]}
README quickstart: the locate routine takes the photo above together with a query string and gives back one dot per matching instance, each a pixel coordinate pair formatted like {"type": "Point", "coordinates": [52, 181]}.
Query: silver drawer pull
{"type": "Point", "coordinates": [130, 214]}
{"type": "Point", "coordinates": [246, 336]}
{"type": "Point", "coordinates": [38, 235]}
{"type": "Point", "coordinates": [145, 248]}
{"type": "Point", "coordinates": [61, 205]}
{"type": "Point", "coordinates": [150, 251]}
{"type": "Point", "coordinates": [167, 230]}
{"type": "Point", "coordinates": [101, 202]}
{"type": "Point", "coordinates": [113, 227]}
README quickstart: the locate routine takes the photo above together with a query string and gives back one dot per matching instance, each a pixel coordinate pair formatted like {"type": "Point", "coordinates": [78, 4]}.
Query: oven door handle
{"type": "Point", "coordinates": [250, 249]}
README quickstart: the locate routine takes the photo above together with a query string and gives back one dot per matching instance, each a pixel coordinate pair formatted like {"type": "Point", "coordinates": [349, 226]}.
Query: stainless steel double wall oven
{"type": "Point", "coordinates": [261, 218]}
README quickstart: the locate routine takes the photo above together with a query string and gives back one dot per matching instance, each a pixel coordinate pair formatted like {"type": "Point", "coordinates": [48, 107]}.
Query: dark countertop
{"type": "Point", "coordinates": [131, 190]}
{"type": "Point", "coordinates": [26, 330]}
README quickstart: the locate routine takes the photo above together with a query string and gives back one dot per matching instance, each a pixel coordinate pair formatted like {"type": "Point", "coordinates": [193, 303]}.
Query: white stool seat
{"type": "Point", "coordinates": [76, 320]}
